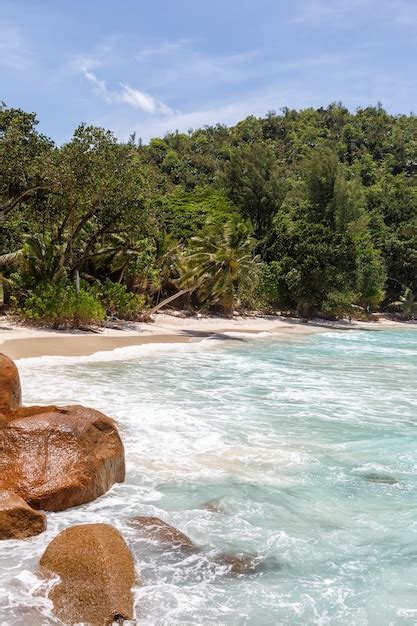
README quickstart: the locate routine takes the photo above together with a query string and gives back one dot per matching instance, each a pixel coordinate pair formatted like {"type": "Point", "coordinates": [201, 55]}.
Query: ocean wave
{"type": "Point", "coordinates": [310, 447]}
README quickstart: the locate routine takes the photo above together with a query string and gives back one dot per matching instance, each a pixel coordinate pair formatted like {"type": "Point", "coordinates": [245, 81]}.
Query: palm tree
{"type": "Point", "coordinates": [150, 266]}
{"type": "Point", "coordinates": [407, 303]}
{"type": "Point", "coordinates": [38, 258]}
{"type": "Point", "coordinates": [167, 262]}
{"type": "Point", "coordinates": [122, 254]}
{"type": "Point", "coordinates": [220, 262]}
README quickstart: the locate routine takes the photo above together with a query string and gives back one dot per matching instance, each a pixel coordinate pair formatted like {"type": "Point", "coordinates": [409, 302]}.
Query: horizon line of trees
{"type": "Point", "coordinates": [312, 212]}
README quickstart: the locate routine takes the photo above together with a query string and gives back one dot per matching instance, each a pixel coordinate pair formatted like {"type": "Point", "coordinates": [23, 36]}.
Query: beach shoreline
{"type": "Point", "coordinates": [18, 341]}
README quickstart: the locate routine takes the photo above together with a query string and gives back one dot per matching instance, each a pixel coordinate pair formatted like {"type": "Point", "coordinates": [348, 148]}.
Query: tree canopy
{"type": "Point", "coordinates": [324, 202]}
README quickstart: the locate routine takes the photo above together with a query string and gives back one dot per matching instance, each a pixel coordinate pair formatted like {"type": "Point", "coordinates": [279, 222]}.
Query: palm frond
{"type": "Point", "coordinates": [11, 259]}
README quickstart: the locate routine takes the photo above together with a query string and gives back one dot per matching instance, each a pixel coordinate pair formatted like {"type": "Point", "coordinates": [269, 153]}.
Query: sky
{"type": "Point", "coordinates": [152, 66]}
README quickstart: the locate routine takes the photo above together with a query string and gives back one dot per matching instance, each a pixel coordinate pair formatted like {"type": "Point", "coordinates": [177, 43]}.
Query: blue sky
{"type": "Point", "coordinates": [156, 65]}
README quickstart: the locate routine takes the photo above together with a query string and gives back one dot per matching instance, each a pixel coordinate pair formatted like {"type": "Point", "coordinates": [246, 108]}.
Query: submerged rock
{"type": "Point", "coordinates": [215, 506]}
{"type": "Point", "coordinates": [241, 564]}
{"type": "Point", "coordinates": [233, 564]}
{"type": "Point", "coordinates": [238, 564]}
{"type": "Point", "coordinates": [375, 473]}
{"type": "Point", "coordinates": [165, 534]}
{"type": "Point", "coordinates": [374, 477]}
{"type": "Point", "coordinates": [96, 572]}
{"type": "Point", "coordinates": [17, 519]}
{"type": "Point", "coordinates": [62, 458]}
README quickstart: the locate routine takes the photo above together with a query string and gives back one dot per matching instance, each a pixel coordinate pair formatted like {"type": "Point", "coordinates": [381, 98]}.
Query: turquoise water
{"type": "Point", "coordinates": [310, 448]}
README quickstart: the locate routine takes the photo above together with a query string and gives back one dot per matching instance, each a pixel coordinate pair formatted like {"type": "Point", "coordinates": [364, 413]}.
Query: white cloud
{"type": "Point", "coordinates": [128, 95]}
{"type": "Point", "coordinates": [213, 88]}
{"type": "Point", "coordinates": [163, 66]}
{"type": "Point", "coordinates": [223, 113]}
{"type": "Point", "coordinates": [296, 94]}
{"type": "Point", "coordinates": [99, 85]}
{"type": "Point", "coordinates": [138, 99]}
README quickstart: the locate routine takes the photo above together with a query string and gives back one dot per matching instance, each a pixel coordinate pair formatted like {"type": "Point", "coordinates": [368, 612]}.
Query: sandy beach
{"type": "Point", "coordinates": [18, 341]}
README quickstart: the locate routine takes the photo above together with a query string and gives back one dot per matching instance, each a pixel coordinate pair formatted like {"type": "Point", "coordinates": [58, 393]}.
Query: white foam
{"type": "Point", "coordinates": [125, 353]}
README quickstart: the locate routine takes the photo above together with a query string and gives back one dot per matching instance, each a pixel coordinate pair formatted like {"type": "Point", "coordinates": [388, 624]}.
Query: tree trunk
{"type": "Point", "coordinates": [228, 310]}
{"type": "Point", "coordinates": [77, 283]}
{"type": "Point", "coordinates": [147, 315]}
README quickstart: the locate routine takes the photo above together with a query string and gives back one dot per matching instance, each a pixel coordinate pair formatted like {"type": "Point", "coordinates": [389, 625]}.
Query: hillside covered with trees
{"type": "Point", "coordinates": [312, 212]}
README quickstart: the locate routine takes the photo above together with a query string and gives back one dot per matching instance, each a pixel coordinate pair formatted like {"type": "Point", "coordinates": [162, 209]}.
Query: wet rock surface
{"type": "Point", "coordinates": [217, 505]}
{"type": "Point", "coordinates": [237, 564]}
{"type": "Point", "coordinates": [166, 535]}
{"type": "Point", "coordinates": [10, 390]}
{"type": "Point", "coordinates": [96, 572]}
{"type": "Point", "coordinates": [61, 459]}
{"type": "Point", "coordinates": [176, 542]}
{"type": "Point", "coordinates": [17, 519]}
{"type": "Point", "coordinates": [55, 458]}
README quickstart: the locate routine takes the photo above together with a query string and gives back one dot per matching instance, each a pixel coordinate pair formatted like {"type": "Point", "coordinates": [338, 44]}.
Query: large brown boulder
{"type": "Point", "coordinates": [163, 533]}
{"type": "Point", "coordinates": [96, 573]}
{"type": "Point", "coordinates": [60, 458]}
{"type": "Point", "coordinates": [10, 390]}
{"type": "Point", "coordinates": [17, 519]}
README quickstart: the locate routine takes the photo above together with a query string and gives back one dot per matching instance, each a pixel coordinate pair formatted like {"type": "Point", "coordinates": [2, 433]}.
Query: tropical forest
{"type": "Point", "coordinates": [306, 213]}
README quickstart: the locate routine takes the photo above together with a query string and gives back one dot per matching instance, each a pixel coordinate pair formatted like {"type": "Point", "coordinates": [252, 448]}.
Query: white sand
{"type": "Point", "coordinates": [19, 341]}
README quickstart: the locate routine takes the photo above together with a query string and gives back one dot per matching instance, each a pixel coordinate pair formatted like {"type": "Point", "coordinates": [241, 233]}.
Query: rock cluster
{"type": "Point", "coordinates": [170, 538]}
{"type": "Point", "coordinates": [53, 458]}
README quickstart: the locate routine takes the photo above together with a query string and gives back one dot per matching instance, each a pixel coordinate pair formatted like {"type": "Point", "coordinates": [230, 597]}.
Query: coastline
{"type": "Point", "coordinates": [18, 341]}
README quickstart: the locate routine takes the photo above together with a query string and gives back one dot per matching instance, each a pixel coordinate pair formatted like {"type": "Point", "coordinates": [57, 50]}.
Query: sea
{"type": "Point", "coordinates": [300, 454]}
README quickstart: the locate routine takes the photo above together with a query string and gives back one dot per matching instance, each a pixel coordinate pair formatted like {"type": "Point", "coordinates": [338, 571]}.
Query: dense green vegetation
{"type": "Point", "coordinates": [310, 212]}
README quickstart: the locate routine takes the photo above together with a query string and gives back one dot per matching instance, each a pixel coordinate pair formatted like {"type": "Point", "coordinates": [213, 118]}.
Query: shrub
{"type": "Point", "coordinates": [269, 287]}
{"type": "Point", "coordinates": [57, 305]}
{"type": "Point", "coordinates": [339, 304]}
{"type": "Point", "coordinates": [120, 302]}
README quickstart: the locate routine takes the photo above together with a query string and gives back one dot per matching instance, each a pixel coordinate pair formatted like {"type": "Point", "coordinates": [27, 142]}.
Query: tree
{"type": "Point", "coordinates": [311, 261]}
{"type": "Point", "coordinates": [371, 274]}
{"type": "Point", "coordinates": [183, 214]}
{"type": "Point", "coordinates": [219, 262]}
{"type": "Point", "coordinates": [331, 198]}
{"type": "Point", "coordinates": [255, 183]}
{"type": "Point", "coordinates": [407, 304]}
{"type": "Point", "coordinates": [37, 261]}
{"type": "Point", "coordinates": [319, 171]}
{"type": "Point", "coordinates": [22, 150]}
{"type": "Point", "coordinates": [96, 194]}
